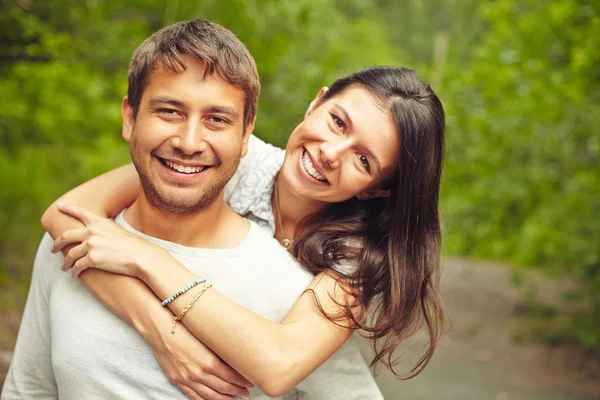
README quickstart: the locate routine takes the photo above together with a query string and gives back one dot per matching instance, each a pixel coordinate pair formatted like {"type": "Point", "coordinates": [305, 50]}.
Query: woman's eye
{"type": "Point", "coordinates": [365, 162]}
{"type": "Point", "coordinates": [338, 122]}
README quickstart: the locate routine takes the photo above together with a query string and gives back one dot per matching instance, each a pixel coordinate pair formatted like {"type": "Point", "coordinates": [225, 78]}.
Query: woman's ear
{"type": "Point", "coordinates": [317, 101]}
{"type": "Point", "coordinates": [128, 119]}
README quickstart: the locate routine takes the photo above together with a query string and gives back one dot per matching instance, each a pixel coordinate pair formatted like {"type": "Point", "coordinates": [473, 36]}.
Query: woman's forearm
{"type": "Point", "coordinates": [274, 356]}
{"type": "Point", "coordinates": [130, 299]}
{"type": "Point", "coordinates": [106, 195]}
{"type": "Point", "coordinates": [187, 363]}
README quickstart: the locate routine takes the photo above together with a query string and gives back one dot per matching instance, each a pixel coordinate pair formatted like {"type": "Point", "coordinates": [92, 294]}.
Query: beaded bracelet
{"type": "Point", "coordinates": [189, 305]}
{"type": "Point", "coordinates": [182, 291]}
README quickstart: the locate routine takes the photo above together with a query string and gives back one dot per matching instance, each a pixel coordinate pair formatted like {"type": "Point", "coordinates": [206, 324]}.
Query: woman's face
{"type": "Point", "coordinates": [345, 147]}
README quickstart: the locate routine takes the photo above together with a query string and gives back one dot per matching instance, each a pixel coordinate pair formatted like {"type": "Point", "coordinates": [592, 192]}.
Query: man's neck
{"type": "Point", "coordinates": [215, 226]}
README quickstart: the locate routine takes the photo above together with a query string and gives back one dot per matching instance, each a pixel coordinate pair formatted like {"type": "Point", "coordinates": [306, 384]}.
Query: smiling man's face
{"type": "Point", "coordinates": [187, 138]}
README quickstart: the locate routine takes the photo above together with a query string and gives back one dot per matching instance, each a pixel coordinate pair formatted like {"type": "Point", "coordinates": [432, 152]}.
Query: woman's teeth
{"type": "Point", "coordinates": [310, 168]}
{"type": "Point", "coordinates": [183, 169]}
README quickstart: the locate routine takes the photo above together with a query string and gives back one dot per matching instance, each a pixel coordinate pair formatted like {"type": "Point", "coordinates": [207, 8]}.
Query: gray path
{"type": "Point", "coordinates": [478, 361]}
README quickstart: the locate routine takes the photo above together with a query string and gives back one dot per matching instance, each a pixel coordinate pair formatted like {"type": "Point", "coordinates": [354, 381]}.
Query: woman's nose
{"type": "Point", "coordinates": [332, 151]}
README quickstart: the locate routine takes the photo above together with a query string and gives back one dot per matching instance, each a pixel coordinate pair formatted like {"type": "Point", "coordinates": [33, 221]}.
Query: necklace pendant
{"type": "Point", "coordinates": [287, 243]}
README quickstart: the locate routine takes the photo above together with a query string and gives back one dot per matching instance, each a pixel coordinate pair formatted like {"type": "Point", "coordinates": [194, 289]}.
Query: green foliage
{"type": "Point", "coordinates": [519, 81]}
{"type": "Point", "coordinates": [521, 180]}
{"type": "Point", "coordinates": [66, 73]}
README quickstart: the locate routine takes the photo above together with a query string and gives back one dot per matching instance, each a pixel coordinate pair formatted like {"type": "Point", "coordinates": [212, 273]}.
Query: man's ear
{"type": "Point", "coordinates": [373, 193]}
{"type": "Point", "coordinates": [247, 133]}
{"type": "Point", "coordinates": [128, 119]}
{"type": "Point", "coordinates": [317, 101]}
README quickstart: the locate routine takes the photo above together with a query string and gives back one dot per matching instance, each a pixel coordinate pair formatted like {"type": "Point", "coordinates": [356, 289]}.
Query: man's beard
{"type": "Point", "coordinates": [169, 200]}
{"type": "Point", "coordinates": [173, 204]}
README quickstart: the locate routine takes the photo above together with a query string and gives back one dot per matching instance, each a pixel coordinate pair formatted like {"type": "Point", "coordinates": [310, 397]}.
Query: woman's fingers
{"type": "Point", "coordinates": [73, 255]}
{"type": "Point", "coordinates": [221, 387]}
{"type": "Point", "coordinates": [81, 213]}
{"type": "Point", "coordinates": [205, 392]}
{"type": "Point", "coordinates": [80, 265]}
{"type": "Point", "coordinates": [228, 380]}
{"type": "Point", "coordinates": [68, 238]}
{"type": "Point", "coordinates": [190, 393]}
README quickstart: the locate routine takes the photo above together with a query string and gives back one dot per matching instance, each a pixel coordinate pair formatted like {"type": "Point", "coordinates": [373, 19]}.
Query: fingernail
{"type": "Point", "coordinates": [61, 204]}
{"type": "Point", "coordinates": [246, 396]}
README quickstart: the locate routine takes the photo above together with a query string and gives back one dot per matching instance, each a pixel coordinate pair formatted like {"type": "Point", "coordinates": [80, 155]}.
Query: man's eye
{"type": "Point", "coordinates": [338, 122]}
{"type": "Point", "coordinates": [365, 162]}
{"type": "Point", "coordinates": [218, 120]}
{"type": "Point", "coordinates": [168, 111]}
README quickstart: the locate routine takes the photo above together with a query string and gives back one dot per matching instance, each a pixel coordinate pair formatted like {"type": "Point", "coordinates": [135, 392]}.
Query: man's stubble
{"type": "Point", "coordinates": [168, 200]}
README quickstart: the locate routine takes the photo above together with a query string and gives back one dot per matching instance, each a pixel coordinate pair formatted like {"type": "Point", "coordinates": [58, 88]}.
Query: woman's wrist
{"type": "Point", "coordinates": [145, 265]}
{"type": "Point", "coordinates": [159, 271]}
{"type": "Point", "coordinates": [153, 323]}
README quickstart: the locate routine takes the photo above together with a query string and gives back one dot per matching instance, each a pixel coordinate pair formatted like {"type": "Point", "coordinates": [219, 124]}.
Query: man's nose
{"type": "Point", "coordinates": [190, 139]}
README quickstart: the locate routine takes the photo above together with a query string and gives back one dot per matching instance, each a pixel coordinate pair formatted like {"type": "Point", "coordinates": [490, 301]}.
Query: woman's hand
{"type": "Point", "coordinates": [196, 370]}
{"type": "Point", "coordinates": [103, 244]}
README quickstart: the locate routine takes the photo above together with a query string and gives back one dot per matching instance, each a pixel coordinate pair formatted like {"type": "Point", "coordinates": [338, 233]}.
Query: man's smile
{"type": "Point", "coordinates": [182, 168]}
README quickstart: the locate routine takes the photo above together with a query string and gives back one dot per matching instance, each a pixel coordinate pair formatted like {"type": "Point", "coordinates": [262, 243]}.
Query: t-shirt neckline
{"type": "Point", "coordinates": [176, 248]}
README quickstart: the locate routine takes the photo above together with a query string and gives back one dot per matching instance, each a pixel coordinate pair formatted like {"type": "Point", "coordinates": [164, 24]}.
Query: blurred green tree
{"type": "Point", "coordinates": [521, 178]}
{"type": "Point", "coordinates": [519, 81]}
{"type": "Point", "coordinates": [64, 73]}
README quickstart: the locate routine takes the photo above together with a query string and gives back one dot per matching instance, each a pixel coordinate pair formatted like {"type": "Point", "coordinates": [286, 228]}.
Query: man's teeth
{"type": "Point", "coordinates": [182, 169]}
{"type": "Point", "coordinates": [310, 168]}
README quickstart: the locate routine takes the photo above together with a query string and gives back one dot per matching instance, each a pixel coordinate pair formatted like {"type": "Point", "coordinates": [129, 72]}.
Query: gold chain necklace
{"type": "Point", "coordinates": [285, 242]}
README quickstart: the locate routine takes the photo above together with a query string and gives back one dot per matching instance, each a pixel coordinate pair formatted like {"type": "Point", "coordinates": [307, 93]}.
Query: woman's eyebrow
{"type": "Point", "coordinates": [374, 158]}
{"type": "Point", "coordinates": [345, 115]}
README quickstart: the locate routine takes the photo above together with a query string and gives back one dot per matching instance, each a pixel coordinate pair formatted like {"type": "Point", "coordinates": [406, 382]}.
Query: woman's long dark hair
{"type": "Point", "coordinates": [393, 243]}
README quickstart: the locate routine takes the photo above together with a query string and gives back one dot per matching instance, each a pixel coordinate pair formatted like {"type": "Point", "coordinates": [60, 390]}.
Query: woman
{"type": "Point", "coordinates": [343, 209]}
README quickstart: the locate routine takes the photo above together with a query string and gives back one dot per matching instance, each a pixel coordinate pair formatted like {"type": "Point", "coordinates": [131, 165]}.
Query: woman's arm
{"type": "Point", "coordinates": [274, 356]}
{"type": "Point", "coordinates": [105, 195]}
{"type": "Point", "coordinates": [187, 363]}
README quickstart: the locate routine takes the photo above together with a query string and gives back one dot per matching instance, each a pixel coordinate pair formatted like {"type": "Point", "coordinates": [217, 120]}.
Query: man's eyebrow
{"type": "Point", "coordinates": [217, 109]}
{"type": "Point", "coordinates": [156, 101]}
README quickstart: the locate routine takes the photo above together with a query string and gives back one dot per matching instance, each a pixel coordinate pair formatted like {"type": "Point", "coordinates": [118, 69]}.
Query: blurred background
{"type": "Point", "coordinates": [519, 80]}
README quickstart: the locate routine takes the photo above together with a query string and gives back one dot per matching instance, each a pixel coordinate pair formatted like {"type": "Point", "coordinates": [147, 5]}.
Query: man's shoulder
{"type": "Point", "coordinates": [46, 266]}
{"type": "Point", "coordinates": [44, 252]}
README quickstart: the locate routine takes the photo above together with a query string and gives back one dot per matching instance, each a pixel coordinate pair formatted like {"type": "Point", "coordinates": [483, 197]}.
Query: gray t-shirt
{"type": "Point", "coordinates": [71, 347]}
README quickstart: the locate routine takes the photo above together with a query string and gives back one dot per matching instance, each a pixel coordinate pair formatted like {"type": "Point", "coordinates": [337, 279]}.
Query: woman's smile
{"type": "Point", "coordinates": [311, 168]}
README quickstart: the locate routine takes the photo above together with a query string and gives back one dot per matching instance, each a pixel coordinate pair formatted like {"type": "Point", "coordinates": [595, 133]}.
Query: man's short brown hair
{"type": "Point", "coordinates": [221, 51]}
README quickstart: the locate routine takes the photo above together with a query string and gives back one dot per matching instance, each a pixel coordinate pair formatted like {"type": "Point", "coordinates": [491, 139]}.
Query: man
{"type": "Point", "coordinates": [191, 104]}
